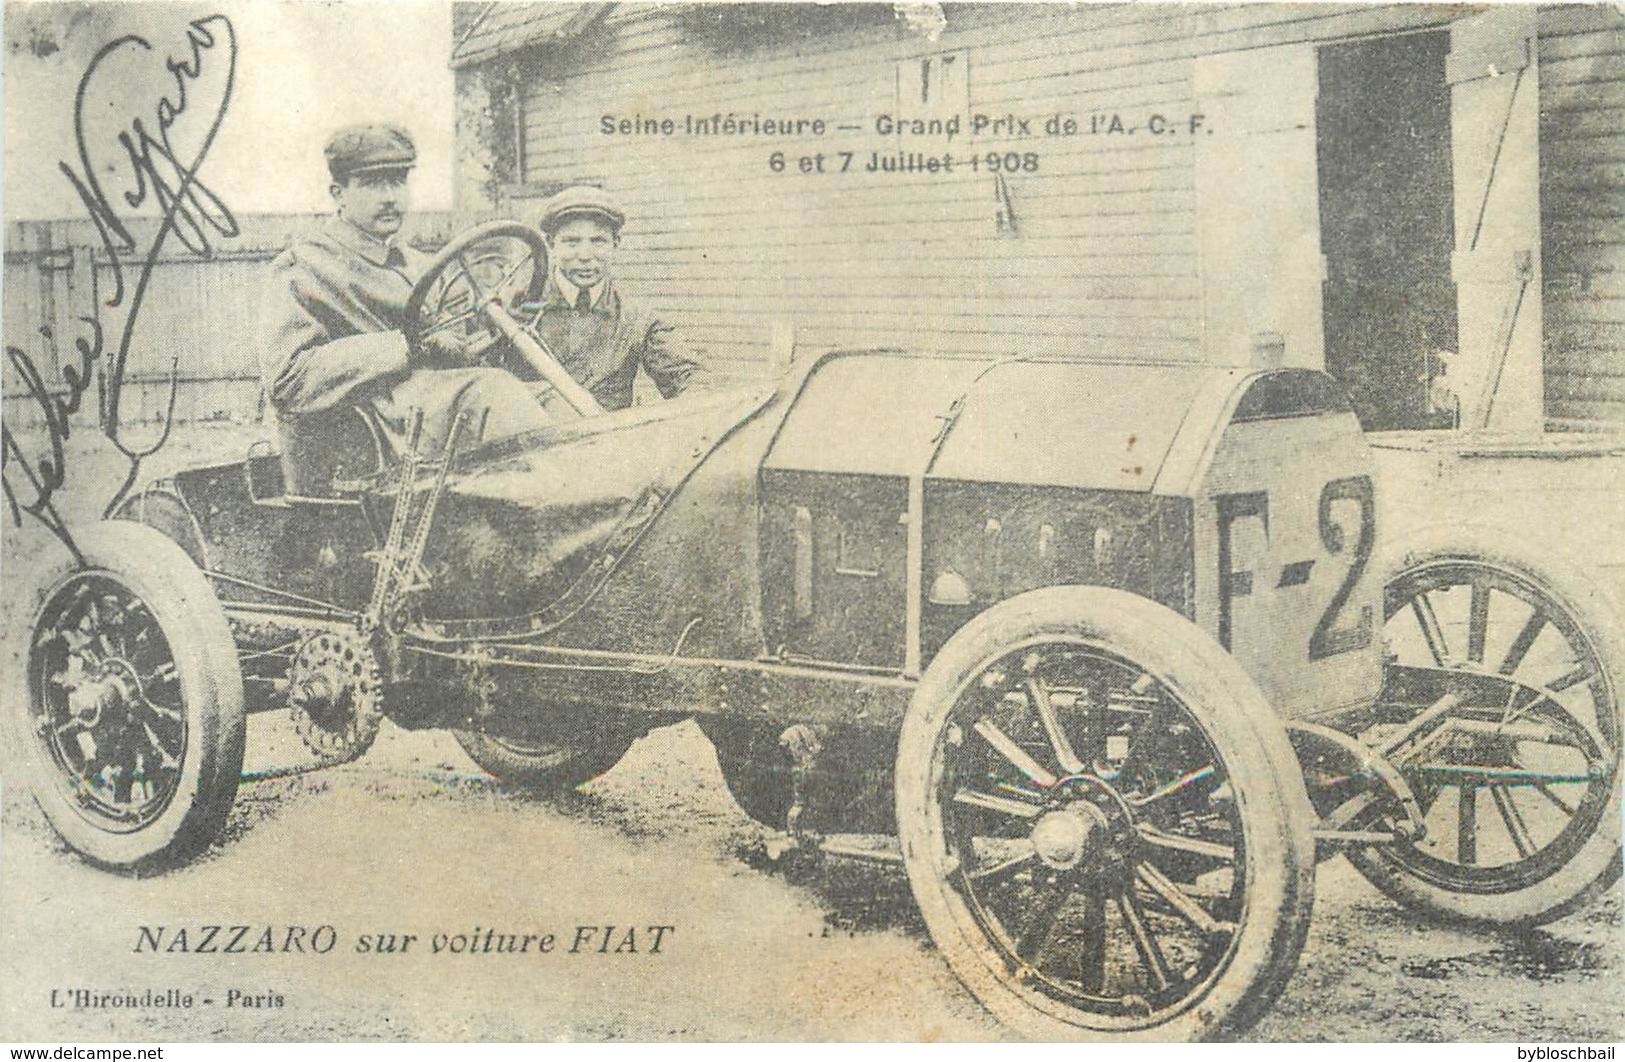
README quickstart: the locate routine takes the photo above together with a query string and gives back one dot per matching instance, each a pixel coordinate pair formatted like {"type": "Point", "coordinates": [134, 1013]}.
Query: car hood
{"type": "Point", "coordinates": [1101, 426]}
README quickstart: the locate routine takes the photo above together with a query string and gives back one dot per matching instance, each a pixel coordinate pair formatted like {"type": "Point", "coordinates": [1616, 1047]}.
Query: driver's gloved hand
{"type": "Point", "coordinates": [444, 349]}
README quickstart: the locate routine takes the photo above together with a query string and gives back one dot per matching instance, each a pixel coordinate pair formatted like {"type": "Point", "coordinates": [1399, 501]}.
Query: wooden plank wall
{"type": "Point", "coordinates": [45, 279]}
{"type": "Point", "coordinates": [1102, 260]}
{"type": "Point", "coordinates": [1582, 102]}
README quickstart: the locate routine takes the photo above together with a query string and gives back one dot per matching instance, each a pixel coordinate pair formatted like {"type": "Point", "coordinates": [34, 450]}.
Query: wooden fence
{"type": "Point", "coordinates": [198, 316]}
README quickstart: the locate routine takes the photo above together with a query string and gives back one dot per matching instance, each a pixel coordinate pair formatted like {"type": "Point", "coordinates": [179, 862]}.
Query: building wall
{"type": "Point", "coordinates": [1100, 260]}
{"type": "Point", "coordinates": [1097, 254]}
{"type": "Point", "coordinates": [1582, 81]}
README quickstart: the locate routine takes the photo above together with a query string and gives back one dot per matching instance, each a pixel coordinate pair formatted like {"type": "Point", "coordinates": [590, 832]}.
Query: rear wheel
{"type": "Point", "coordinates": [1520, 778]}
{"type": "Point", "coordinates": [1103, 821]}
{"type": "Point", "coordinates": [544, 765]}
{"type": "Point", "coordinates": [134, 712]}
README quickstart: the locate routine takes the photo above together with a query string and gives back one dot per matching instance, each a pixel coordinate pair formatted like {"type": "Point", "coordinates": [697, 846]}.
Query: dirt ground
{"type": "Point", "coordinates": [414, 839]}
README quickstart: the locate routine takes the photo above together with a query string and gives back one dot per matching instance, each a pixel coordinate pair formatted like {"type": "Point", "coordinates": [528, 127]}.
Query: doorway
{"type": "Point", "coordinates": [1387, 227]}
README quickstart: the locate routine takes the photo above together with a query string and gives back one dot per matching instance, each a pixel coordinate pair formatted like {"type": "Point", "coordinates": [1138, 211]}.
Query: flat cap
{"type": "Point", "coordinates": [581, 201]}
{"type": "Point", "coordinates": [360, 148]}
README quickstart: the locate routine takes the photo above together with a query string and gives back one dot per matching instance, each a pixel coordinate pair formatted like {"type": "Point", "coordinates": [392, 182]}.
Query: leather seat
{"type": "Point", "coordinates": [321, 452]}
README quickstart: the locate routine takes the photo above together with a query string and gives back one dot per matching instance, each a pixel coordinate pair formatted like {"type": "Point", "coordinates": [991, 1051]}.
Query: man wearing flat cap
{"type": "Point", "coordinates": [336, 304]}
{"type": "Point", "coordinates": [597, 333]}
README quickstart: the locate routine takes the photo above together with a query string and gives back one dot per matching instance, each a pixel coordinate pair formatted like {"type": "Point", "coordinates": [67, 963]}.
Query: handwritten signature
{"type": "Point", "coordinates": [189, 210]}
{"type": "Point", "coordinates": [46, 474]}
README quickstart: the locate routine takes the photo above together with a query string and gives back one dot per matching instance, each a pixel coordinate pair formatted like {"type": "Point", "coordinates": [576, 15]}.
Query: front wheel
{"type": "Point", "coordinates": [134, 708]}
{"type": "Point", "coordinates": [1103, 821]}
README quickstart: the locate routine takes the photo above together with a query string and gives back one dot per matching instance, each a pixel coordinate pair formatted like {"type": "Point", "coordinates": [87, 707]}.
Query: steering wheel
{"type": "Point", "coordinates": [464, 291]}
{"type": "Point", "coordinates": [488, 261]}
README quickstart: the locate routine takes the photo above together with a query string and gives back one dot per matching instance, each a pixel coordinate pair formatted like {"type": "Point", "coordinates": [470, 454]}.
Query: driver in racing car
{"type": "Point", "coordinates": [336, 305]}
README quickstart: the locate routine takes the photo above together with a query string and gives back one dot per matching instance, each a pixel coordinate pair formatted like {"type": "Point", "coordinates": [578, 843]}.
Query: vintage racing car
{"type": "Point", "coordinates": [1115, 650]}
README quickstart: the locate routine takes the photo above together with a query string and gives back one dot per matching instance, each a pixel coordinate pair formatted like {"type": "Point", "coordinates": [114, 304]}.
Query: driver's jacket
{"type": "Point", "coordinates": [332, 318]}
{"type": "Point", "coordinates": [332, 338]}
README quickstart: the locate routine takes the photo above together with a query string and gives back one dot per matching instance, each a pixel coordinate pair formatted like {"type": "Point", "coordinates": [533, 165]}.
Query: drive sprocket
{"type": "Point", "coordinates": [335, 695]}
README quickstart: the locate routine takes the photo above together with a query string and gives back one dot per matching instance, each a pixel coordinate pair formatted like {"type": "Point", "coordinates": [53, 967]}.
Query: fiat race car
{"type": "Point", "coordinates": [1114, 651]}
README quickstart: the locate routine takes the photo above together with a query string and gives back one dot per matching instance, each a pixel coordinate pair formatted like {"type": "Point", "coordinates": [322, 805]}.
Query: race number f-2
{"type": "Point", "coordinates": [1343, 502]}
